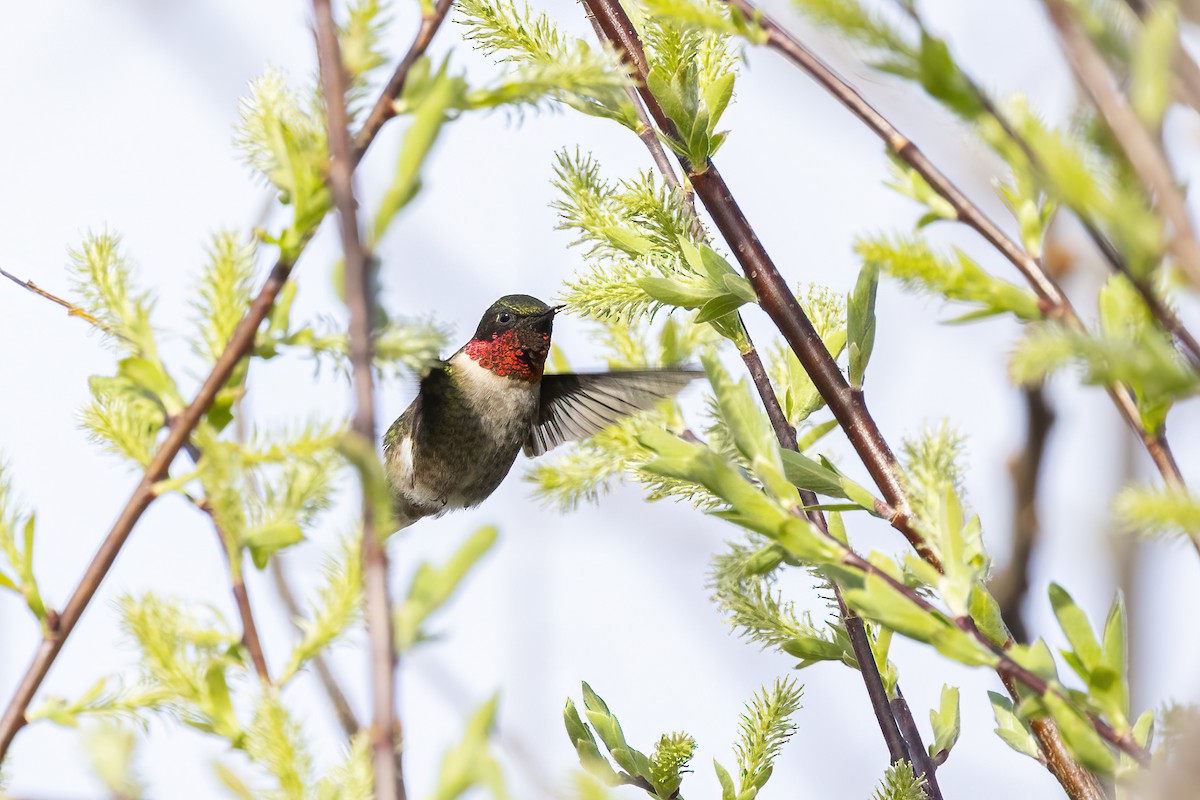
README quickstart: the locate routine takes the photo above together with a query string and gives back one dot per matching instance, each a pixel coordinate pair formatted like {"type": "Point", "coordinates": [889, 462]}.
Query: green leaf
{"type": "Point", "coordinates": [1074, 624]}
{"type": "Point", "coordinates": [1015, 731]}
{"type": "Point", "coordinates": [1150, 70]}
{"type": "Point", "coordinates": [812, 475]}
{"type": "Point", "coordinates": [674, 293]}
{"type": "Point", "coordinates": [266, 540]}
{"type": "Point", "coordinates": [945, 722]}
{"type": "Point", "coordinates": [718, 307]}
{"type": "Point", "coordinates": [860, 322]}
{"type": "Point", "coordinates": [1081, 738]}
{"type": "Point", "coordinates": [728, 791]}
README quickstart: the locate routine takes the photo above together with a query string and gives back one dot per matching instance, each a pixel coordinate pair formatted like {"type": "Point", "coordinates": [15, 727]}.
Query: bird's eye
{"type": "Point", "coordinates": [504, 318]}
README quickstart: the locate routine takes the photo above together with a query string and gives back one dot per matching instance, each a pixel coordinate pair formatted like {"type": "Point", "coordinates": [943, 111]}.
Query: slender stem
{"type": "Point", "coordinates": [1145, 155]}
{"type": "Point", "coordinates": [329, 682]}
{"type": "Point", "coordinates": [72, 309]}
{"type": "Point", "coordinates": [240, 345]}
{"type": "Point", "coordinates": [1010, 586]}
{"type": "Point", "coordinates": [923, 765]}
{"type": "Point", "coordinates": [241, 598]}
{"type": "Point", "coordinates": [360, 298]}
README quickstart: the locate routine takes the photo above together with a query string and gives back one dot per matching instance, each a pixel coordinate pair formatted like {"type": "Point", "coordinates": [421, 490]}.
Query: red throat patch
{"type": "Point", "coordinates": [506, 356]}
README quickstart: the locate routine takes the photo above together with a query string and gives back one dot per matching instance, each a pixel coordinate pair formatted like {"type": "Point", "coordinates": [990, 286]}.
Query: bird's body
{"type": "Point", "coordinates": [478, 409]}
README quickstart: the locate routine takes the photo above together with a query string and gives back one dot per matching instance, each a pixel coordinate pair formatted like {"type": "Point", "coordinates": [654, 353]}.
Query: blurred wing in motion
{"type": "Point", "coordinates": [575, 406]}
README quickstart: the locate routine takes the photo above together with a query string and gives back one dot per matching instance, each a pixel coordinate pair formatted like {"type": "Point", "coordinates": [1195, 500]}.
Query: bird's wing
{"type": "Point", "coordinates": [575, 406]}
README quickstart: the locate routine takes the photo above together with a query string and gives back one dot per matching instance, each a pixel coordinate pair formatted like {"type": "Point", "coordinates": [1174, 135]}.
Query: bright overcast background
{"type": "Point", "coordinates": [121, 114]}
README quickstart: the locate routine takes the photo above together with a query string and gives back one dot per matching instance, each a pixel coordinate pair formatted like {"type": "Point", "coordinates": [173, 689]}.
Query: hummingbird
{"type": "Point", "coordinates": [476, 410]}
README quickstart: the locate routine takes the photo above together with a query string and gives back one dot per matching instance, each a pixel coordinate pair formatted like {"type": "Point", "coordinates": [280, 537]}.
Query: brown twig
{"type": "Point", "coordinates": [1010, 586]}
{"type": "Point", "coordinates": [360, 299]}
{"type": "Point", "coordinates": [1144, 154]}
{"type": "Point", "coordinates": [240, 344]}
{"type": "Point", "coordinates": [385, 108]}
{"type": "Point", "coordinates": [241, 598]}
{"type": "Point", "coordinates": [72, 309]}
{"type": "Point", "coordinates": [333, 690]}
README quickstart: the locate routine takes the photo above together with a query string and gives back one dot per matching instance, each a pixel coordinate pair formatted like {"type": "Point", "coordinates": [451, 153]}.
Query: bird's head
{"type": "Point", "coordinates": [513, 338]}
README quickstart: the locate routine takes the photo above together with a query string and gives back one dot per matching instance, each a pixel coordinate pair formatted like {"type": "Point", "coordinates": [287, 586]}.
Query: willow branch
{"type": "Point", "coordinates": [346, 717]}
{"type": "Point", "coordinates": [360, 298]}
{"type": "Point", "coordinates": [241, 597]}
{"type": "Point", "coordinates": [240, 345]}
{"type": "Point", "coordinates": [1144, 154]}
{"type": "Point", "coordinates": [1010, 586]}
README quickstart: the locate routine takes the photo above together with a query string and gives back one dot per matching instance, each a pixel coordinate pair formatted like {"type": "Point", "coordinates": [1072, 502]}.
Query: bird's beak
{"type": "Point", "coordinates": [552, 310]}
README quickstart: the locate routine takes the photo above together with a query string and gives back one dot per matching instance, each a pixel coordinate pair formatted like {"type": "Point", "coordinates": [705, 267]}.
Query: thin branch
{"type": "Point", "coordinates": [1144, 154]}
{"type": "Point", "coordinates": [1054, 303]}
{"type": "Point", "coordinates": [241, 598]}
{"type": "Point", "coordinates": [1010, 586]}
{"type": "Point", "coordinates": [360, 298]}
{"type": "Point", "coordinates": [329, 682]}
{"type": "Point", "coordinates": [240, 345]}
{"type": "Point", "coordinates": [72, 309]}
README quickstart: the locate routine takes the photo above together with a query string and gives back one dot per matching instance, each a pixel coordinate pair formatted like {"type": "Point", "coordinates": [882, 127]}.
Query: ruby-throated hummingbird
{"type": "Point", "coordinates": [455, 443]}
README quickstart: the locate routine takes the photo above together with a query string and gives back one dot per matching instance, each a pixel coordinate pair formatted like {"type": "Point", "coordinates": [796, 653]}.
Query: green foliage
{"type": "Point", "coordinates": [758, 613]}
{"type": "Point", "coordinates": [284, 141]}
{"type": "Point", "coordinates": [471, 763]}
{"type": "Point", "coordinates": [1158, 511]}
{"type": "Point", "coordinates": [223, 293]}
{"type": "Point", "coordinates": [827, 310]}
{"type": "Point", "coordinates": [691, 76]}
{"type": "Point", "coordinates": [934, 481]}
{"type": "Point", "coordinates": [1012, 728]}
{"type": "Point", "coordinates": [1129, 348]}
{"type": "Point", "coordinates": [919, 268]}
{"type": "Point", "coordinates": [16, 569]}
{"type": "Point", "coordinates": [900, 783]}
{"type": "Point", "coordinates": [1150, 69]}
{"type": "Point", "coordinates": [262, 500]}
{"type": "Point", "coordinates": [360, 40]}
{"type": "Point", "coordinates": [110, 748]}
{"type": "Point", "coordinates": [669, 761]}
{"type": "Point", "coordinates": [860, 323]}
{"type": "Point", "coordinates": [402, 346]}
{"type": "Point", "coordinates": [1101, 663]}
{"type": "Point", "coordinates": [860, 24]}
{"type": "Point", "coordinates": [354, 777]}
{"type": "Point", "coordinates": [104, 280]}
{"type": "Point", "coordinates": [646, 252]}
{"type": "Point", "coordinates": [430, 110]}
{"type": "Point", "coordinates": [766, 726]}
{"type": "Point", "coordinates": [945, 723]}
{"type": "Point", "coordinates": [274, 741]}
{"type": "Point", "coordinates": [337, 606]}
{"type": "Point", "coordinates": [432, 586]}
{"type": "Point", "coordinates": [546, 62]}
